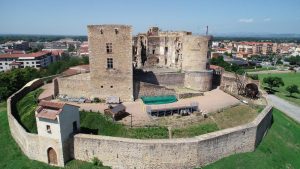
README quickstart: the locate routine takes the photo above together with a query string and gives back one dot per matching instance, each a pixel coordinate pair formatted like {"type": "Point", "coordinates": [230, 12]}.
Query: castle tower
{"type": "Point", "coordinates": [110, 53]}
{"type": "Point", "coordinates": [56, 123]}
{"type": "Point", "coordinates": [195, 64]}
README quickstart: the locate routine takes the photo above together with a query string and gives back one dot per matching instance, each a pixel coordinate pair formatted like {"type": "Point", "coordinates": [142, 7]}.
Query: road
{"type": "Point", "coordinates": [288, 108]}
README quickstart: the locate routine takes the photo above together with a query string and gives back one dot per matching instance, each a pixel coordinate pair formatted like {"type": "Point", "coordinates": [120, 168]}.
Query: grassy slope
{"type": "Point", "coordinates": [230, 117]}
{"type": "Point", "coordinates": [11, 157]}
{"type": "Point", "coordinates": [103, 125]}
{"type": "Point", "coordinates": [26, 108]}
{"type": "Point", "coordinates": [235, 116]}
{"type": "Point", "coordinates": [289, 79]}
{"type": "Point", "coordinates": [279, 149]}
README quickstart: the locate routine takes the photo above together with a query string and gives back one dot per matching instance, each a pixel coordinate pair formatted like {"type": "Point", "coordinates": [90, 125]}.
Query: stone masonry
{"type": "Point", "coordinates": [110, 51]}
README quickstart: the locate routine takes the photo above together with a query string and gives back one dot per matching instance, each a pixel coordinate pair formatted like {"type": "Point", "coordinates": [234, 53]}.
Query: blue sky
{"type": "Point", "coordinates": [70, 17]}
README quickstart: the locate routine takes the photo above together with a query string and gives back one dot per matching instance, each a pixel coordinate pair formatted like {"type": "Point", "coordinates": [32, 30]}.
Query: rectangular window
{"type": "Point", "coordinates": [48, 129]}
{"type": "Point", "coordinates": [110, 63]}
{"type": "Point", "coordinates": [108, 47]}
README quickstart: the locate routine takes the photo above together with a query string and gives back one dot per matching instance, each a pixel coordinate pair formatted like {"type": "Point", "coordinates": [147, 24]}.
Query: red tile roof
{"type": "Point", "coordinates": [48, 114]}
{"type": "Point", "coordinates": [57, 52]}
{"type": "Point", "coordinates": [35, 55]}
{"type": "Point", "coordinates": [255, 43]}
{"type": "Point", "coordinates": [56, 105]}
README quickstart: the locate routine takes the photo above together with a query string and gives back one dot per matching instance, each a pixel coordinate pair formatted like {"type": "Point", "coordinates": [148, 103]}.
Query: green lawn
{"type": "Point", "coordinates": [279, 149]}
{"type": "Point", "coordinates": [11, 157]}
{"type": "Point", "coordinates": [97, 123]}
{"type": "Point", "coordinates": [259, 69]}
{"type": "Point", "coordinates": [288, 79]}
{"type": "Point", "coordinates": [26, 108]}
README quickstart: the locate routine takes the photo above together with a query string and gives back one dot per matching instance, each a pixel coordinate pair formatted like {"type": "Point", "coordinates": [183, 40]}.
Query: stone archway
{"type": "Point", "coordinates": [52, 157]}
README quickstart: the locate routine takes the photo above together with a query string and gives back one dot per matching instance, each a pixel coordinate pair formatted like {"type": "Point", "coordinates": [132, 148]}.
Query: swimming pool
{"type": "Point", "coordinates": [159, 99]}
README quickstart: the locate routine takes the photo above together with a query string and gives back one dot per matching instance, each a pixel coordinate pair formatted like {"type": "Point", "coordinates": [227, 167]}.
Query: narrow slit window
{"type": "Point", "coordinates": [48, 129]}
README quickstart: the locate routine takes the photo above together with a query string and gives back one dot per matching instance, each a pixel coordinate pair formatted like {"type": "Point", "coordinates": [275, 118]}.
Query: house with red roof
{"type": "Point", "coordinates": [21, 60]}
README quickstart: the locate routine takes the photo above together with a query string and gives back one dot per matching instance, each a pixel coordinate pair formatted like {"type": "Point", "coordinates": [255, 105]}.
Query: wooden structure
{"type": "Point", "coordinates": [117, 112]}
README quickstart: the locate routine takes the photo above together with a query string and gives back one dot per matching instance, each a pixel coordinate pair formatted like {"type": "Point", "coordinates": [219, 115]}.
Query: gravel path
{"type": "Point", "coordinates": [288, 108]}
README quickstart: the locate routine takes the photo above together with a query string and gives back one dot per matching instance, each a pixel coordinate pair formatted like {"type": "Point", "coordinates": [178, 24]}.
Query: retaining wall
{"type": "Point", "coordinates": [32, 145]}
{"type": "Point", "coordinates": [173, 153]}
{"type": "Point", "coordinates": [136, 153]}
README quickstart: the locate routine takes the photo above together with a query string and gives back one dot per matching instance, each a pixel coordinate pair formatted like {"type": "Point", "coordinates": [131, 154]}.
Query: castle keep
{"type": "Point", "coordinates": [111, 61]}
{"type": "Point", "coordinates": [116, 56]}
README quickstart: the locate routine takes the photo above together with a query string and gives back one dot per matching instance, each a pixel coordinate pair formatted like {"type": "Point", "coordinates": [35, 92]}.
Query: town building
{"type": "Point", "coordinates": [36, 60]}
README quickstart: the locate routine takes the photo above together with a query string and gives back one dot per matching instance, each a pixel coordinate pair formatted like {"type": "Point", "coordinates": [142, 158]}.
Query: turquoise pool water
{"type": "Point", "coordinates": [159, 99]}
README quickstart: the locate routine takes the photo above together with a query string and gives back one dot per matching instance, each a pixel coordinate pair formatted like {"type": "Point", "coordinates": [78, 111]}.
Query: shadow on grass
{"type": "Point", "coordinates": [121, 116]}
{"type": "Point", "coordinates": [86, 130]}
{"type": "Point", "coordinates": [270, 91]}
{"type": "Point", "coordinates": [291, 96]}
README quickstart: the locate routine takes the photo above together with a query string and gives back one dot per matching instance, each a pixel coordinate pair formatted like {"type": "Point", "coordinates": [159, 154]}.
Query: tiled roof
{"type": "Point", "coordinates": [56, 105]}
{"type": "Point", "coordinates": [37, 54]}
{"type": "Point", "coordinates": [48, 114]}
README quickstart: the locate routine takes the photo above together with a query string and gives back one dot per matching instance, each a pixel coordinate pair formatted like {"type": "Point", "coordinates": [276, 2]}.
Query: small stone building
{"type": "Point", "coordinates": [56, 124]}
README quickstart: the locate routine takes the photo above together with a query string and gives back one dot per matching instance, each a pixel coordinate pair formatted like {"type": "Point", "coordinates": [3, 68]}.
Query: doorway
{"type": "Point", "coordinates": [52, 157]}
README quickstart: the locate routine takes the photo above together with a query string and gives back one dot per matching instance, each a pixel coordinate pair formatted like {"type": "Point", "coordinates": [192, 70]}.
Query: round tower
{"type": "Point", "coordinates": [195, 62]}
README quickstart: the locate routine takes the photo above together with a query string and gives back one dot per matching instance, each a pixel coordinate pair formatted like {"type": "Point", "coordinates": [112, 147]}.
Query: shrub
{"type": "Point", "coordinates": [97, 162]}
{"type": "Point", "coordinates": [253, 76]}
{"type": "Point", "coordinates": [96, 100]}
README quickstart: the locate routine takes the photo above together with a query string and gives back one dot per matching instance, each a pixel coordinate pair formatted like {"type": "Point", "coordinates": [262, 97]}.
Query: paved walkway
{"type": "Point", "coordinates": [288, 108]}
{"type": "Point", "coordinates": [211, 101]}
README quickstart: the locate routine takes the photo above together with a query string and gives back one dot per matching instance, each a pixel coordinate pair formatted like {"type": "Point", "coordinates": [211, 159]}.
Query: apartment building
{"type": "Point", "coordinates": [36, 60]}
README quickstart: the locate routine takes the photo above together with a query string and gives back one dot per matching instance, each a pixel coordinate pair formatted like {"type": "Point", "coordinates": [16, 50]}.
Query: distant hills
{"type": "Point", "coordinates": [258, 35]}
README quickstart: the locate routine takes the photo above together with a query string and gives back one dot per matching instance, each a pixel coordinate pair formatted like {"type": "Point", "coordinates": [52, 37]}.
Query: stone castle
{"type": "Point", "coordinates": [115, 56]}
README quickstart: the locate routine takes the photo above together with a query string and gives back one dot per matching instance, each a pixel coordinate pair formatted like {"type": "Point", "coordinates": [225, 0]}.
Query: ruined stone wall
{"type": "Point", "coordinates": [32, 145]}
{"type": "Point", "coordinates": [116, 81]}
{"type": "Point", "coordinates": [173, 153]}
{"type": "Point", "coordinates": [228, 82]}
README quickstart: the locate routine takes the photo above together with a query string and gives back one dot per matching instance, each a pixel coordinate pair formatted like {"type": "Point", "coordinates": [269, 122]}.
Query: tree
{"type": "Point", "coordinates": [292, 89]}
{"type": "Point", "coordinates": [272, 81]}
{"type": "Point", "coordinates": [71, 48]}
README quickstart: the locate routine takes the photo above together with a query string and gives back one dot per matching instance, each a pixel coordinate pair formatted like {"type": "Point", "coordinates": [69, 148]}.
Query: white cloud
{"type": "Point", "coordinates": [267, 19]}
{"type": "Point", "coordinates": [246, 20]}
